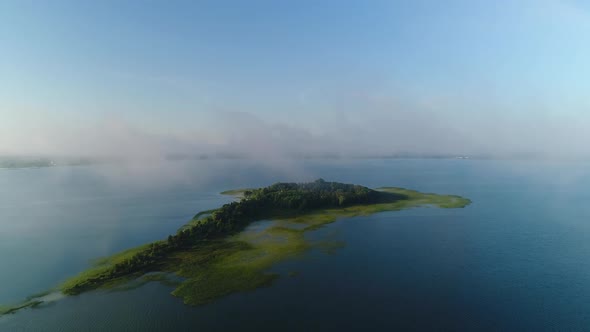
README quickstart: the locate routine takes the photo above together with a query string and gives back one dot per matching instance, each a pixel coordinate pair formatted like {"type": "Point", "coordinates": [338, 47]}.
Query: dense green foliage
{"type": "Point", "coordinates": [213, 255]}
{"type": "Point", "coordinates": [283, 198]}
{"type": "Point", "coordinates": [313, 195]}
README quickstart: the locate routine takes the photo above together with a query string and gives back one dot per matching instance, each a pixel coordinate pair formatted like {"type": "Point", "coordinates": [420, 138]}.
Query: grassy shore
{"type": "Point", "coordinates": [240, 262]}
{"type": "Point", "coordinates": [5, 310]}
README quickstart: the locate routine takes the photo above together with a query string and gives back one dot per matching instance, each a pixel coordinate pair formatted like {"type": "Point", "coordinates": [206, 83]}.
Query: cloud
{"type": "Point", "coordinates": [363, 125]}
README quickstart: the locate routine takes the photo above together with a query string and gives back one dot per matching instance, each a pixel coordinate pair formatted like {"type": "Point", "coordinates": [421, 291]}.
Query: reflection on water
{"type": "Point", "coordinates": [513, 260]}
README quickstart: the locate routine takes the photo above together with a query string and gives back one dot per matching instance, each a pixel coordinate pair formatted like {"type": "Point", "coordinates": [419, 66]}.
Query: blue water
{"type": "Point", "coordinates": [515, 260]}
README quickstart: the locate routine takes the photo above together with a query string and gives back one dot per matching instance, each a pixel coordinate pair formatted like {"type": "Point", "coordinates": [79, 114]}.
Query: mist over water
{"type": "Point", "coordinates": [55, 220]}
{"type": "Point", "coordinates": [366, 129]}
{"type": "Point", "coordinates": [163, 105]}
{"type": "Point", "coordinates": [521, 242]}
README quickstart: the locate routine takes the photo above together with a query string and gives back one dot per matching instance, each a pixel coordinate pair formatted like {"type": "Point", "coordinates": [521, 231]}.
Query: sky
{"type": "Point", "coordinates": [291, 78]}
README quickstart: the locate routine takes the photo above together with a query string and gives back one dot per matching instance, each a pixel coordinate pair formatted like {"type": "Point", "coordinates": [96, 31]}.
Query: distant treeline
{"type": "Point", "coordinates": [34, 162]}
{"type": "Point", "coordinates": [25, 163]}
{"type": "Point", "coordinates": [277, 199]}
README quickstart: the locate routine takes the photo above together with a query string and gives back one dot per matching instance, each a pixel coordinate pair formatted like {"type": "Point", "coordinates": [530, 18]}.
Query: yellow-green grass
{"type": "Point", "coordinates": [241, 262]}
{"type": "Point", "coordinates": [102, 266]}
{"type": "Point", "coordinates": [7, 309]}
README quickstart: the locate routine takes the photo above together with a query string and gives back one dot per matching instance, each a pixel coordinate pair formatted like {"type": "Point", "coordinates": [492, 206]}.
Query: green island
{"type": "Point", "coordinates": [216, 254]}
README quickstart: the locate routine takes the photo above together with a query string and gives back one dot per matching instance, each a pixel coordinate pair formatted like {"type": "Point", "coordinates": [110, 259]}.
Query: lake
{"type": "Point", "coordinates": [514, 260]}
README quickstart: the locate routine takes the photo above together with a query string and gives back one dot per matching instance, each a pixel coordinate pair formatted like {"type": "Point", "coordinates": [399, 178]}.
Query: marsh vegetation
{"type": "Point", "coordinates": [215, 254]}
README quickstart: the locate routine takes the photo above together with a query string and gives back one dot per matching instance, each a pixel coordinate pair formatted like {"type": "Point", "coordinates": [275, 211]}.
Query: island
{"type": "Point", "coordinates": [217, 253]}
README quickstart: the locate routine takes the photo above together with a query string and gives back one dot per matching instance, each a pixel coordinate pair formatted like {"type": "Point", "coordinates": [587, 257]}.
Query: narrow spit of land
{"type": "Point", "coordinates": [212, 256]}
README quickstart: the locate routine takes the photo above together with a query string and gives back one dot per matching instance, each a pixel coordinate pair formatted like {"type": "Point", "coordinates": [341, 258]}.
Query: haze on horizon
{"type": "Point", "coordinates": [304, 78]}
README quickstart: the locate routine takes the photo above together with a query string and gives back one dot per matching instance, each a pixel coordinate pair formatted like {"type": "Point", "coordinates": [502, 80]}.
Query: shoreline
{"type": "Point", "coordinates": [238, 261]}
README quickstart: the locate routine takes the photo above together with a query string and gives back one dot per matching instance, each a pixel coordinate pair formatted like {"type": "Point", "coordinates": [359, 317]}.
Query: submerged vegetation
{"type": "Point", "coordinates": [277, 200]}
{"type": "Point", "coordinates": [4, 310]}
{"type": "Point", "coordinates": [216, 254]}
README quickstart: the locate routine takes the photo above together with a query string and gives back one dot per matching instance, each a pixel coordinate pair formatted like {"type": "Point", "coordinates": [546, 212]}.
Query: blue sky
{"type": "Point", "coordinates": [318, 66]}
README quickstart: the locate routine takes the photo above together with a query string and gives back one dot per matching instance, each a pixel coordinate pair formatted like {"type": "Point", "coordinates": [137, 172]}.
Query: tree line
{"type": "Point", "coordinates": [234, 216]}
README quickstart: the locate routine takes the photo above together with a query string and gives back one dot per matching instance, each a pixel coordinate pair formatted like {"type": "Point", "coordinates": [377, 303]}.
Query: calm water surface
{"type": "Point", "coordinates": [515, 260]}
